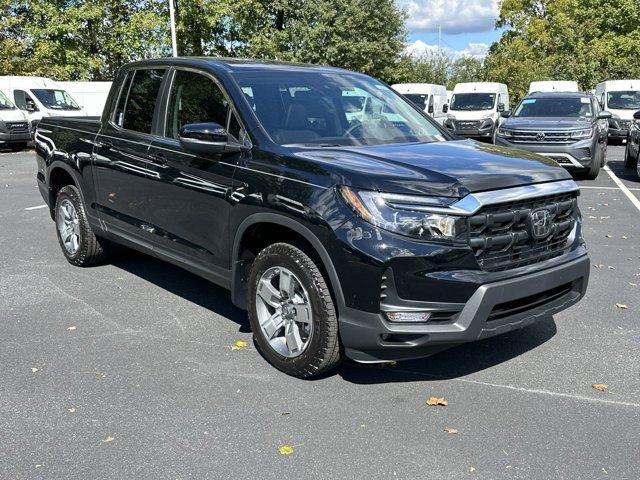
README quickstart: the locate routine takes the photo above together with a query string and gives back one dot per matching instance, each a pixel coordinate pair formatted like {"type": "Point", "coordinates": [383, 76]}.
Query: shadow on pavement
{"type": "Point", "coordinates": [455, 362]}
{"type": "Point", "coordinates": [181, 283]}
{"type": "Point", "coordinates": [628, 174]}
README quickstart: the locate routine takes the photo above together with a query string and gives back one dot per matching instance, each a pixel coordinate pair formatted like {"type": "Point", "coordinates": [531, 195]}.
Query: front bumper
{"type": "Point", "coordinates": [574, 155]}
{"type": "Point", "coordinates": [618, 134]}
{"type": "Point", "coordinates": [14, 137]}
{"type": "Point", "coordinates": [495, 308]}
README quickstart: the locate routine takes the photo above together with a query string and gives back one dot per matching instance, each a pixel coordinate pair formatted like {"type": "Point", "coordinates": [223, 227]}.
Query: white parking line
{"type": "Point", "coordinates": [37, 207]}
{"type": "Point", "coordinates": [623, 187]}
{"type": "Point", "coordinates": [606, 188]}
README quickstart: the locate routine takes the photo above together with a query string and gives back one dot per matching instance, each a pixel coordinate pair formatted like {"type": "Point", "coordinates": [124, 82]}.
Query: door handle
{"type": "Point", "coordinates": [158, 158]}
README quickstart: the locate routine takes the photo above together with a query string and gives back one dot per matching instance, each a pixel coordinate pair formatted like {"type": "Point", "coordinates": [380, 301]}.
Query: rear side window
{"type": "Point", "coordinates": [194, 98]}
{"type": "Point", "coordinates": [122, 101]}
{"type": "Point", "coordinates": [140, 102]}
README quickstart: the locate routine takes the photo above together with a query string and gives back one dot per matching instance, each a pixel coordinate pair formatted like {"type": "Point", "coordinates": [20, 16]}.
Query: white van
{"type": "Point", "coordinates": [91, 96]}
{"type": "Point", "coordinates": [40, 97]}
{"type": "Point", "coordinates": [15, 130]}
{"type": "Point", "coordinates": [622, 99]}
{"type": "Point", "coordinates": [475, 109]}
{"type": "Point", "coordinates": [427, 96]}
{"type": "Point", "coordinates": [554, 86]}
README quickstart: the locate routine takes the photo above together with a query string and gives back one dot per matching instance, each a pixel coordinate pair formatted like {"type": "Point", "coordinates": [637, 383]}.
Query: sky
{"type": "Point", "coordinates": [468, 26]}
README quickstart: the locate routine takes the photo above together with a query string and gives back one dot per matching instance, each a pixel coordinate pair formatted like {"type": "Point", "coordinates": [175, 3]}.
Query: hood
{"type": "Point", "coordinates": [450, 169]}
{"type": "Point", "coordinates": [622, 114]}
{"type": "Point", "coordinates": [65, 113]}
{"type": "Point", "coordinates": [547, 123]}
{"type": "Point", "coordinates": [472, 114]}
{"type": "Point", "coordinates": [12, 115]}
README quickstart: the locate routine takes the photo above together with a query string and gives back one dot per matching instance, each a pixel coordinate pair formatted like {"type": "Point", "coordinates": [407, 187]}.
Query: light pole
{"type": "Point", "coordinates": [172, 16]}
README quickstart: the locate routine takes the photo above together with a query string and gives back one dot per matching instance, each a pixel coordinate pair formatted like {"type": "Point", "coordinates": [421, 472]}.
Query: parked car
{"type": "Point", "coordinates": [39, 97]}
{"type": "Point", "coordinates": [430, 98]}
{"type": "Point", "coordinates": [475, 109]}
{"type": "Point", "coordinates": [567, 127]}
{"type": "Point", "coordinates": [380, 238]}
{"type": "Point", "coordinates": [90, 96]}
{"type": "Point", "coordinates": [553, 86]}
{"type": "Point", "coordinates": [622, 99]}
{"type": "Point", "coordinates": [632, 151]}
{"type": "Point", "coordinates": [15, 131]}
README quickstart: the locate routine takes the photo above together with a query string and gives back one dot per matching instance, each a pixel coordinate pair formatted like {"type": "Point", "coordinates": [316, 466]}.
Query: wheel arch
{"type": "Point", "coordinates": [60, 175]}
{"type": "Point", "coordinates": [265, 219]}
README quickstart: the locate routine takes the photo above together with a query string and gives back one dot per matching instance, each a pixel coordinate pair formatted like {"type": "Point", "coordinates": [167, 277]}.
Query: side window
{"type": "Point", "coordinates": [195, 98]}
{"type": "Point", "coordinates": [22, 98]}
{"type": "Point", "coordinates": [141, 100]}
{"type": "Point", "coordinates": [118, 116]}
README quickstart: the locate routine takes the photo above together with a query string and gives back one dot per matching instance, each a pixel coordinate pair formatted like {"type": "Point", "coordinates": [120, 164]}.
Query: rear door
{"type": "Point", "coordinates": [124, 179]}
{"type": "Point", "coordinates": [191, 193]}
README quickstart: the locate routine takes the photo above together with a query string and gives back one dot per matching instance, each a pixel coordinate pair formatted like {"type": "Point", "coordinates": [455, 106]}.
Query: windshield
{"type": "Point", "coordinates": [473, 101]}
{"type": "Point", "coordinates": [55, 99]}
{"type": "Point", "coordinates": [5, 103]}
{"type": "Point", "coordinates": [321, 109]}
{"type": "Point", "coordinates": [555, 107]}
{"type": "Point", "coordinates": [627, 100]}
{"type": "Point", "coordinates": [418, 99]}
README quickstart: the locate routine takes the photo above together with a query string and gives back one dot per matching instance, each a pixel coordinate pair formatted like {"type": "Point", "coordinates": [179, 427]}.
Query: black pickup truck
{"type": "Point", "coordinates": [338, 214]}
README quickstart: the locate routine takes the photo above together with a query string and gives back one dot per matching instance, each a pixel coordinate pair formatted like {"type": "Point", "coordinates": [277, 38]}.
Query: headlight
{"type": "Point", "coordinates": [504, 133]}
{"type": "Point", "coordinates": [3, 127]}
{"type": "Point", "coordinates": [413, 216]}
{"type": "Point", "coordinates": [580, 134]}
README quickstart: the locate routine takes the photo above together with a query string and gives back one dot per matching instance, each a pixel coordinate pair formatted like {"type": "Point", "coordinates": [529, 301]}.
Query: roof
{"type": "Point", "coordinates": [558, 94]}
{"type": "Point", "coordinates": [235, 64]}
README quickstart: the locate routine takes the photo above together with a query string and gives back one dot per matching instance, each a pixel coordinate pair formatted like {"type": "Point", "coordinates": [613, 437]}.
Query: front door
{"type": "Point", "coordinates": [191, 194]}
{"type": "Point", "coordinates": [124, 177]}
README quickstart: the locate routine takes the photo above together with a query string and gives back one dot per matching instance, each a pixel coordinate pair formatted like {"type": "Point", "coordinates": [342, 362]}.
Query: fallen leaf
{"type": "Point", "coordinates": [598, 265]}
{"type": "Point", "coordinates": [621, 305]}
{"type": "Point", "coordinates": [472, 469]}
{"type": "Point", "coordinates": [71, 410]}
{"type": "Point", "coordinates": [71, 328]}
{"type": "Point", "coordinates": [604, 218]}
{"type": "Point", "coordinates": [34, 369]}
{"type": "Point", "coordinates": [450, 430]}
{"type": "Point", "coordinates": [433, 401]}
{"type": "Point", "coordinates": [284, 414]}
{"type": "Point", "coordinates": [601, 387]}
{"type": "Point", "coordinates": [285, 450]}
{"type": "Point", "coordinates": [611, 268]}
{"type": "Point", "coordinates": [633, 284]}
{"type": "Point", "coordinates": [608, 236]}
{"type": "Point", "coordinates": [108, 439]}
{"type": "Point", "coordinates": [238, 345]}
{"type": "Point", "coordinates": [624, 237]}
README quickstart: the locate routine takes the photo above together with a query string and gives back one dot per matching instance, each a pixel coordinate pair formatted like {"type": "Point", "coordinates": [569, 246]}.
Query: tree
{"type": "Point", "coordinates": [583, 40]}
{"type": "Point", "coordinates": [77, 40]}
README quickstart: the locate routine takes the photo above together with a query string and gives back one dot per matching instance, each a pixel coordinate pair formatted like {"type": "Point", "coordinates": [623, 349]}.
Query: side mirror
{"type": "Point", "coordinates": [636, 116]}
{"type": "Point", "coordinates": [501, 107]}
{"type": "Point", "coordinates": [204, 138]}
{"type": "Point", "coordinates": [31, 107]}
{"type": "Point", "coordinates": [604, 115]}
{"type": "Point", "coordinates": [445, 108]}
{"type": "Point", "coordinates": [430, 108]}
{"type": "Point", "coordinates": [505, 113]}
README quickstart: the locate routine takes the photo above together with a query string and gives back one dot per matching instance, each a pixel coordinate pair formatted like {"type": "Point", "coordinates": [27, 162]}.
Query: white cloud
{"type": "Point", "coordinates": [420, 48]}
{"type": "Point", "coordinates": [455, 16]}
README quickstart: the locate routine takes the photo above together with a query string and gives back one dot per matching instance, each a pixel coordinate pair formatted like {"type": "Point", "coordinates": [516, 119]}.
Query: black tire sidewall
{"type": "Point", "coordinates": [323, 311]}
{"type": "Point", "coordinates": [73, 195]}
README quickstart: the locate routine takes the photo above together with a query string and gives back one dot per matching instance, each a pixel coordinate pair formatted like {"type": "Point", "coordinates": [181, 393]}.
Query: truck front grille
{"type": "Point", "coordinates": [525, 136]}
{"type": "Point", "coordinates": [17, 127]}
{"type": "Point", "coordinates": [501, 235]}
{"type": "Point", "coordinates": [467, 124]}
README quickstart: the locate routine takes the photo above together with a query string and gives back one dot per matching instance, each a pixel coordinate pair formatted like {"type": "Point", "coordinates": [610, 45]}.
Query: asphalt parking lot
{"type": "Point", "coordinates": [126, 371]}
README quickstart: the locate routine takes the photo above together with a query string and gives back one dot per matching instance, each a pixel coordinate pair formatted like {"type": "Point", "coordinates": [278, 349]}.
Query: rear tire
{"type": "Point", "coordinates": [79, 244]}
{"type": "Point", "coordinates": [319, 349]}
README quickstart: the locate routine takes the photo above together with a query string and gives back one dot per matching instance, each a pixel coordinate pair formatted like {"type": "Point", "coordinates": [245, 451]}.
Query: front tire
{"type": "Point", "coordinates": [79, 244]}
{"type": "Point", "coordinates": [594, 170]}
{"type": "Point", "coordinates": [629, 161]}
{"type": "Point", "coordinates": [292, 314]}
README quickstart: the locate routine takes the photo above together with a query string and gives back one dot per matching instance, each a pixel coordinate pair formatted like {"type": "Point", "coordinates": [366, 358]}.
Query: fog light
{"type": "Point", "coordinates": [408, 317]}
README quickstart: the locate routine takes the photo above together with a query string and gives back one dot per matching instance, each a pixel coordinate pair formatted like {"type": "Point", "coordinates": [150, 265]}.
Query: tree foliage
{"type": "Point", "coordinates": [584, 40]}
